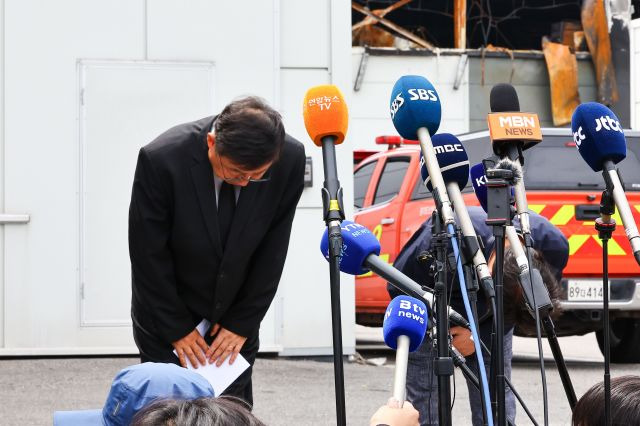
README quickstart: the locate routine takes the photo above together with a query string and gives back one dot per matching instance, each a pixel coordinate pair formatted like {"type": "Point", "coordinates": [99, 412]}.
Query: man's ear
{"type": "Point", "coordinates": [211, 140]}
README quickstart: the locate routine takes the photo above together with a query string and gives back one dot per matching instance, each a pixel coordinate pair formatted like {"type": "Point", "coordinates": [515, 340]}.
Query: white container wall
{"type": "Point", "coordinates": [85, 84]}
{"type": "Point", "coordinates": [370, 104]}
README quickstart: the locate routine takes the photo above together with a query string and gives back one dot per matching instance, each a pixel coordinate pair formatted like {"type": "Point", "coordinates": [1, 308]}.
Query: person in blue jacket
{"type": "Point", "coordinates": [550, 256]}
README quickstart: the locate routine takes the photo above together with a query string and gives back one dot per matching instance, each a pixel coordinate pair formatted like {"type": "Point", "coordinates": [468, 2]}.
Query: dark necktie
{"type": "Point", "coordinates": [226, 209]}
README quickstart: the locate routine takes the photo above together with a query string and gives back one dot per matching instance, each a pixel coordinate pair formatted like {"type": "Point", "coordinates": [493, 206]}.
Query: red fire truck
{"type": "Point", "coordinates": [391, 200]}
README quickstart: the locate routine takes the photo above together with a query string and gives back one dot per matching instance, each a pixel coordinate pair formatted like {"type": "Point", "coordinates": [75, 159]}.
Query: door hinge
{"type": "Point", "coordinates": [82, 291]}
{"type": "Point", "coordinates": [82, 97]}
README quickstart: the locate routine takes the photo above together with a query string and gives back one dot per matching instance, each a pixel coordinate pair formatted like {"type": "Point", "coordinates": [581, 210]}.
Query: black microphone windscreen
{"type": "Point", "coordinates": [503, 98]}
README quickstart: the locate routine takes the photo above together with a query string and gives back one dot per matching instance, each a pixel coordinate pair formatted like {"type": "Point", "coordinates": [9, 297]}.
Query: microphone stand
{"type": "Point", "coordinates": [499, 183]}
{"type": "Point", "coordinates": [605, 229]}
{"type": "Point", "coordinates": [550, 331]}
{"type": "Point", "coordinates": [460, 362]}
{"type": "Point", "coordinates": [536, 294]}
{"type": "Point", "coordinates": [538, 301]}
{"type": "Point", "coordinates": [333, 215]}
{"type": "Point", "coordinates": [467, 251]}
{"type": "Point", "coordinates": [443, 364]}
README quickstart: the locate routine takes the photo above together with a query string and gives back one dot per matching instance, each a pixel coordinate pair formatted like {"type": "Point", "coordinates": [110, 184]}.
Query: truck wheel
{"type": "Point", "coordinates": [624, 341]}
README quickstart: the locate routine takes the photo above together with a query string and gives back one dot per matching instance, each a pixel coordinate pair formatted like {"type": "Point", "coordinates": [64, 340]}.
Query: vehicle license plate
{"type": "Point", "coordinates": [585, 291]}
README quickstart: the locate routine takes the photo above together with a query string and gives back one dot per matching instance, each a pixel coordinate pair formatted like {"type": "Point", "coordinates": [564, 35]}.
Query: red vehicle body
{"type": "Point", "coordinates": [391, 200]}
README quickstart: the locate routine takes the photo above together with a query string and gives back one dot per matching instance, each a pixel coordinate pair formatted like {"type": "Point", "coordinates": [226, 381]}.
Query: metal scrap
{"type": "Point", "coordinates": [596, 31]}
{"type": "Point", "coordinates": [375, 17]}
{"type": "Point", "coordinates": [563, 80]}
{"type": "Point", "coordinates": [460, 24]}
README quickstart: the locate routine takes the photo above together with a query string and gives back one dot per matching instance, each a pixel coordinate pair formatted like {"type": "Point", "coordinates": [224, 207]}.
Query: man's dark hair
{"type": "Point", "coordinates": [223, 411]}
{"type": "Point", "coordinates": [625, 403]}
{"type": "Point", "coordinates": [249, 132]}
{"type": "Point", "coordinates": [515, 309]}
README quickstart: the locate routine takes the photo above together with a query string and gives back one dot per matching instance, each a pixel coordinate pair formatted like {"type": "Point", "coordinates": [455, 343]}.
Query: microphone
{"type": "Point", "coordinates": [540, 293]}
{"type": "Point", "coordinates": [359, 255]}
{"type": "Point", "coordinates": [326, 120]}
{"type": "Point", "coordinates": [479, 183]}
{"type": "Point", "coordinates": [454, 165]}
{"type": "Point", "coordinates": [511, 132]}
{"type": "Point", "coordinates": [405, 324]}
{"type": "Point", "coordinates": [600, 140]}
{"type": "Point", "coordinates": [415, 111]}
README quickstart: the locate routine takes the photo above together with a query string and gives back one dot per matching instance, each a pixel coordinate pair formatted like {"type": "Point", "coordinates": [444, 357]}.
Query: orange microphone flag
{"type": "Point", "coordinates": [325, 113]}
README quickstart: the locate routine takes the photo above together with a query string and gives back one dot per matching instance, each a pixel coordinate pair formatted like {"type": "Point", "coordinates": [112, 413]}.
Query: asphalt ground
{"type": "Point", "coordinates": [294, 391]}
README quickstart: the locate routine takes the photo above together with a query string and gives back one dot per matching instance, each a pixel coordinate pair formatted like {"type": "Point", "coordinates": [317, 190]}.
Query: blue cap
{"type": "Point", "coordinates": [135, 387]}
{"type": "Point", "coordinates": [598, 135]}
{"type": "Point", "coordinates": [405, 316]}
{"type": "Point", "coordinates": [479, 182]}
{"type": "Point", "coordinates": [452, 158]}
{"type": "Point", "coordinates": [357, 243]}
{"type": "Point", "coordinates": [414, 104]}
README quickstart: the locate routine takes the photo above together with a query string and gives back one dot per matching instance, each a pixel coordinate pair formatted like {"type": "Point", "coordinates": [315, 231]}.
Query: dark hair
{"type": "Point", "coordinates": [515, 309]}
{"type": "Point", "coordinates": [249, 132]}
{"type": "Point", "coordinates": [625, 403]}
{"type": "Point", "coordinates": [222, 411]}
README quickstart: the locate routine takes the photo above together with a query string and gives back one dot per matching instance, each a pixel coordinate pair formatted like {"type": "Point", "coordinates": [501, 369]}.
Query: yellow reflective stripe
{"type": "Point", "coordinates": [575, 242]}
{"type": "Point", "coordinates": [333, 205]}
{"type": "Point", "coordinates": [377, 231]}
{"type": "Point", "coordinates": [614, 247]}
{"type": "Point", "coordinates": [537, 207]}
{"type": "Point", "coordinates": [617, 218]}
{"type": "Point", "coordinates": [564, 215]}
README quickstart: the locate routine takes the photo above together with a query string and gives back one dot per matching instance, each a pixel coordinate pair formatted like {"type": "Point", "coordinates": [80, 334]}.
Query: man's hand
{"type": "Point", "coordinates": [191, 346]}
{"type": "Point", "coordinates": [391, 415]}
{"type": "Point", "coordinates": [225, 343]}
{"type": "Point", "coordinates": [462, 340]}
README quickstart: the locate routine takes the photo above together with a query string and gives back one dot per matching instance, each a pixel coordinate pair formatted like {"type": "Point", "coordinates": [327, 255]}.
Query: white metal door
{"type": "Point", "coordinates": [123, 106]}
{"type": "Point", "coordinates": [67, 274]}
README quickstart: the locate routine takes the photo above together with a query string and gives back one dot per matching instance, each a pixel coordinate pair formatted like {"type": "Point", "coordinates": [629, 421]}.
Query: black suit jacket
{"type": "Point", "coordinates": [180, 273]}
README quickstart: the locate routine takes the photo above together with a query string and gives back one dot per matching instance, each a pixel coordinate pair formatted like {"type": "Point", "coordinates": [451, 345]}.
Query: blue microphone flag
{"type": "Point", "coordinates": [414, 104]}
{"type": "Point", "coordinates": [405, 316]}
{"type": "Point", "coordinates": [479, 182]}
{"type": "Point", "coordinates": [358, 242]}
{"type": "Point", "coordinates": [598, 135]}
{"type": "Point", "coordinates": [452, 158]}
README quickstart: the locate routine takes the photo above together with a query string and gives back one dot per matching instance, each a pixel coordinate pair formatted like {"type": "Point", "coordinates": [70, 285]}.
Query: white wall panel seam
{"type": "Point", "coordinates": [145, 30]}
{"type": "Point", "coordinates": [276, 55]}
{"type": "Point", "coordinates": [80, 137]}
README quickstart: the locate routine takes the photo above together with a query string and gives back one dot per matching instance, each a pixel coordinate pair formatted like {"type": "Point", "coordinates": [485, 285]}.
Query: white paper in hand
{"type": "Point", "coordinates": [219, 377]}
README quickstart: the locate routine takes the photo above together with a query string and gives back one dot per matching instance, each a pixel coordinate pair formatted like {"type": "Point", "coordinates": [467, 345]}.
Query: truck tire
{"type": "Point", "coordinates": [624, 341]}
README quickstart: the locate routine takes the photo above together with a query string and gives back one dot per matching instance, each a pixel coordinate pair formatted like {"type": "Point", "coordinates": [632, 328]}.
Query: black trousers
{"type": "Point", "coordinates": [153, 349]}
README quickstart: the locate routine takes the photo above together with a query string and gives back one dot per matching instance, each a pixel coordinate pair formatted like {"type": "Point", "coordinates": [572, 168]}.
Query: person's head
{"type": "Point", "coordinates": [223, 411]}
{"type": "Point", "coordinates": [515, 309]}
{"type": "Point", "coordinates": [625, 403]}
{"type": "Point", "coordinates": [247, 138]}
{"type": "Point", "coordinates": [134, 388]}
